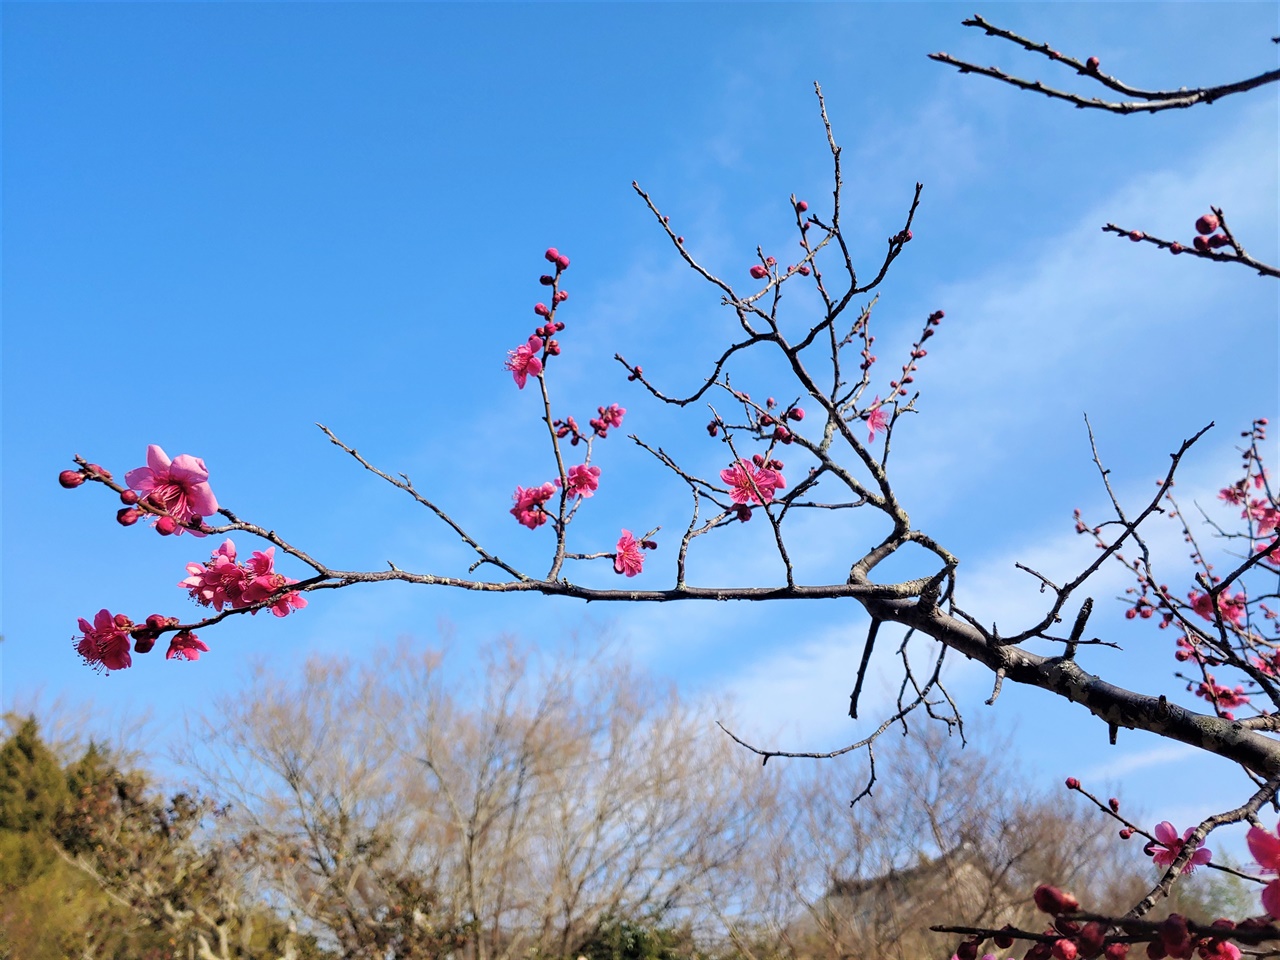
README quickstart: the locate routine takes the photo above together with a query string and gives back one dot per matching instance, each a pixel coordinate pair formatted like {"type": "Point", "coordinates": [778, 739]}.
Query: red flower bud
{"type": "Point", "coordinates": [803, 269]}
{"type": "Point", "coordinates": [552, 254]}
{"type": "Point", "coordinates": [801, 206]}
{"type": "Point", "coordinates": [1114, 804]}
{"type": "Point", "coordinates": [679, 239]}
{"type": "Point", "coordinates": [1175, 248]}
{"type": "Point", "coordinates": [561, 296]}
{"type": "Point", "coordinates": [1092, 64]}
{"type": "Point", "coordinates": [1073, 783]}
{"type": "Point", "coordinates": [71, 479]}
{"type": "Point", "coordinates": [1004, 940]}
{"type": "Point", "coordinates": [1126, 833]}
{"type": "Point", "coordinates": [144, 641]}
{"type": "Point", "coordinates": [1218, 240]}
{"type": "Point", "coordinates": [1091, 938]}
{"type": "Point", "coordinates": [546, 280]}
{"type": "Point", "coordinates": [1053, 901]}
{"type": "Point", "coordinates": [1201, 244]}
{"type": "Point", "coordinates": [166, 526]}
{"type": "Point", "coordinates": [1207, 224]}
{"type": "Point", "coordinates": [1116, 951]}
{"type": "Point", "coordinates": [127, 516]}
{"type": "Point", "coordinates": [1136, 235]}
{"type": "Point", "coordinates": [758, 272]}
{"type": "Point", "coordinates": [541, 310]}
{"type": "Point", "coordinates": [906, 236]}
{"type": "Point", "coordinates": [796, 413]}
{"type": "Point", "coordinates": [129, 496]}
{"type": "Point", "coordinates": [562, 262]}
{"type": "Point", "coordinates": [968, 950]}
{"type": "Point", "coordinates": [1064, 950]}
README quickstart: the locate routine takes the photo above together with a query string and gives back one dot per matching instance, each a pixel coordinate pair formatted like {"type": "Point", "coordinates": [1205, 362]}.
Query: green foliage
{"type": "Point", "coordinates": [620, 939]}
{"type": "Point", "coordinates": [93, 863]}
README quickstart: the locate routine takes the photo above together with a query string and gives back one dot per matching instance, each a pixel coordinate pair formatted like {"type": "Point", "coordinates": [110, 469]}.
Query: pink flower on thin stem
{"type": "Point", "coordinates": [1168, 845]}
{"type": "Point", "coordinates": [610, 416]}
{"type": "Point", "coordinates": [1265, 847]}
{"type": "Point", "coordinates": [583, 480]}
{"type": "Point", "coordinates": [105, 643]}
{"type": "Point", "coordinates": [266, 583]}
{"type": "Point", "coordinates": [219, 582]}
{"type": "Point", "coordinates": [529, 508]}
{"type": "Point", "coordinates": [629, 559]}
{"type": "Point", "coordinates": [524, 362]}
{"type": "Point", "coordinates": [750, 485]}
{"type": "Point", "coordinates": [877, 419]}
{"type": "Point", "coordinates": [179, 487]}
{"type": "Point", "coordinates": [185, 645]}
{"type": "Point", "coordinates": [1231, 607]}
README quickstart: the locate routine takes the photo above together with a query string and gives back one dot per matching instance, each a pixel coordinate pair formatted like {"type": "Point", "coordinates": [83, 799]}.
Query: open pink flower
{"type": "Point", "coordinates": [524, 362]}
{"type": "Point", "coordinates": [610, 416]}
{"type": "Point", "coordinates": [629, 559]}
{"type": "Point", "coordinates": [179, 486]}
{"type": "Point", "coordinates": [749, 484]}
{"type": "Point", "coordinates": [529, 508]}
{"type": "Point", "coordinates": [1265, 847]}
{"type": "Point", "coordinates": [266, 582]}
{"type": "Point", "coordinates": [185, 645]}
{"type": "Point", "coordinates": [584, 480]}
{"type": "Point", "coordinates": [1231, 607]}
{"type": "Point", "coordinates": [105, 643]}
{"type": "Point", "coordinates": [219, 582]}
{"type": "Point", "coordinates": [1168, 845]}
{"type": "Point", "coordinates": [877, 419]}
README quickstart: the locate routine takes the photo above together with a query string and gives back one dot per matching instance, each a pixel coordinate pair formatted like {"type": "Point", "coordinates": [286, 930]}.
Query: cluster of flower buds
{"type": "Point", "coordinates": [1207, 237]}
{"type": "Point", "coordinates": [104, 643]}
{"type": "Point", "coordinates": [610, 416]}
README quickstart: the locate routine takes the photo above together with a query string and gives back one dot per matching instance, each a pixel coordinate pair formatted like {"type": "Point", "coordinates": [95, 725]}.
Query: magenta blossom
{"type": "Point", "coordinates": [610, 416]}
{"type": "Point", "coordinates": [1168, 845]}
{"type": "Point", "coordinates": [529, 508]}
{"type": "Point", "coordinates": [1265, 847]}
{"type": "Point", "coordinates": [629, 559]}
{"type": "Point", "coordinates": [747, 484]}
{"type": "Point", "coordinates": [219, 582]}
{"type": "Point", "coordinates": [877, 419]}
{"type": "Point", "coordinates": [266, 583]}
{"type": "Point", "coordinates": [185, 645]}
{"type": "Point", "coordinates": [584, 480]}
{"type": "Point", "coordinates": [105, 644]}
{"type": "Point", "coordinates": [179, 487]}
{"type": "Point", "coordinates": [524, 362]}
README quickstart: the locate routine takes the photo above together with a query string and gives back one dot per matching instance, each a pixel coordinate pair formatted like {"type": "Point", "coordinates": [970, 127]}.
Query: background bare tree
{"type": "Point", "coordinates": [524, 811]}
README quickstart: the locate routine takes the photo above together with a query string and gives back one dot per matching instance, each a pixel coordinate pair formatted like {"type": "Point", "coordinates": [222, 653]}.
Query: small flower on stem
{"type": "Point", "coordinates": [529, 508]}
{"type": "Point", "coordinates": [105, 642]}
{"type": "Point", "coordinates": [524, 362]}
{"type": "Point", "coordinates": [749, 485]}
{"type": "Point", "coordinates": [185, 645]}
{"type": "Point", "coordinates": [583, 480]}
{"type": "Point", "coordinates": [877, 419]}
{"type": "Point", "coordinates": [629, 559]}
{"type": "Point", "coordinates": [179, 487]}
{"type": "Point", "coordinates": [1168, 845]}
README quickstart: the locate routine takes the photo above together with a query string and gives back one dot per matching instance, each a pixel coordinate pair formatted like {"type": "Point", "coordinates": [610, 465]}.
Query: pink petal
{"type": "Point", "coordinates": [1265, 847]}
{"type": "Point", "coordinates": [1271, 898]}
{"type": "Point", "coordinates": [1165, 833]}
{"type": "Point", "coordinates": [188, 470]}
{"type": "Point", "coordinates": [1202, 856]}
{"type": "Point", "coordinates": [141, 479]}
{"type": "Point", "coordinates": [157, 459]}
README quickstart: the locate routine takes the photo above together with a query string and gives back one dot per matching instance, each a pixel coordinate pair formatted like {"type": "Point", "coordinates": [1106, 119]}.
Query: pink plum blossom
{"type": "Point", "coordinates": [629, 559]}
{"type": "Point", "coordinates": [877, 419]}
{"type": "Point", "coordinates": [219, 582]}
{"type": "Point", "coordinates": [583, 480]}
{"type": "Point", "coordinates": [185, 645]}
{"type": "Point", "coordinates": [747, 484]}
{"type": "Point", "coordinates": [610, 416]}
{"type": "Point", "coordinates": [524, 362]}
{"type": "Point", "coordinates": [529, 508]}
{"type": "Point", "coordinates": [1168, 845]}
{"type": "Point", "coordinates": [266, 583]}
{"type": "Point", "coordinates": [1232, 608]}
{"type": "Point", "coordinates": [105, 642]}
{"type": "Point", "coordinates": [180, 486]}
{"type": "Point", "coordinates": [1265, 847]}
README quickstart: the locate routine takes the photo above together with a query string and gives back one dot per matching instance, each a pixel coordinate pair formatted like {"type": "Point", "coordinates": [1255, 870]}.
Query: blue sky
{"type": "Point", "coordinates": [223, 223]}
